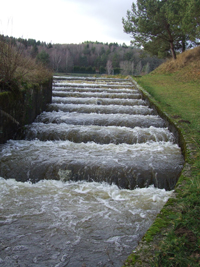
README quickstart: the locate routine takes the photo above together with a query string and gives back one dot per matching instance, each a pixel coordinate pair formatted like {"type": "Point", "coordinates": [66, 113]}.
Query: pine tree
{"type": "Point", "coordinates": [163, 24]}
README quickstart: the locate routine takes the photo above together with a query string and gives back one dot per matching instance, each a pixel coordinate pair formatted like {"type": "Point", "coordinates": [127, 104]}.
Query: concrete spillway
{"type": "Point", "coordinates": [102, 131]}
{"type": "Point", "coordinates": [65, 190]}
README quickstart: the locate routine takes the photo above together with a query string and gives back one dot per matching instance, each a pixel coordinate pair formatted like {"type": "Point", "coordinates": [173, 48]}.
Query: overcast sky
{"type": "Point", "coordinates": [65, 21]}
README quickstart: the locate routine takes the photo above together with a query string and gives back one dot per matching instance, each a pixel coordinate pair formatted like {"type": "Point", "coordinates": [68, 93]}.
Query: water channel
{"type": "Point", "coordinates": [89, 178]}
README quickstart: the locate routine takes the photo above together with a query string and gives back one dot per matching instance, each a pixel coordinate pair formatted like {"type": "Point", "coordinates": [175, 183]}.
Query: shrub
{"type": "Point", "coordinates": [17, 69]}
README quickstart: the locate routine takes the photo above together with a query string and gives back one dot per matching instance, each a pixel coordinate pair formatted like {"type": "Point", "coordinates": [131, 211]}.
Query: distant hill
{"type": "Point", "coordinates": [186, 66]}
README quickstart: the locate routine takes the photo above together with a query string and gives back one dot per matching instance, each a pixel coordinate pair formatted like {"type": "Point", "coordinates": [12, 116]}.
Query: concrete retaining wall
{"type": "Point", "coordinates": [20, 108]}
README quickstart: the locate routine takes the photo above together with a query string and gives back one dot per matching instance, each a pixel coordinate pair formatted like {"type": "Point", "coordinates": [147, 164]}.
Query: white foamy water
{"type": "Point", "coordinates": [95, 89]}
{"type": "Point", "coordinates": [94, 85]}
{"type": "Point", "coordinates": [52, 223]}
{"type": "Point", "coordinates": [98, 134]}
{"type": "Point", "coordinates": [96, 94]}
{"type": "Point", "coordinates": [98, 101]}
{"type": "Point", "coordinates": [101, 109]}
{"type": "Point", "coordinates": [128, 120]}
{"type": "Point", "coordinates": [157, 163]}
{"type": "Point", "coordinates": [93, 80]}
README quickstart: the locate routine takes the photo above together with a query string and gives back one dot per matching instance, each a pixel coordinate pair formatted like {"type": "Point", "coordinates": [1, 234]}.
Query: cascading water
{"type": "Point", "coordinates": [97, 140]}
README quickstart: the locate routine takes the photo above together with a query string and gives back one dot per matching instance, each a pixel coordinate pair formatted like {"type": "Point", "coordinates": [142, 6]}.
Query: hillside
{"type": "Point", "coordinates": [186, 67]}
{"type": "Point", "coordinates": [174, 237]}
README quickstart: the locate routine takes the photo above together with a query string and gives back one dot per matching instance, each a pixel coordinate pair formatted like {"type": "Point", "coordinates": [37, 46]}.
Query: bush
{"type": "Point", "coordinates": [17, 69]}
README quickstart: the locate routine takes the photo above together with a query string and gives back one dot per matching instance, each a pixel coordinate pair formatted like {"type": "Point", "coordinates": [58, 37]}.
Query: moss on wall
{"type": "Point", "coordinates": [20, 108]}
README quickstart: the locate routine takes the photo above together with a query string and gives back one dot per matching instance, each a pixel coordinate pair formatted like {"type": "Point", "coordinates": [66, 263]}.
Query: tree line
{"type": "Point", "coordinates": [89, 57]}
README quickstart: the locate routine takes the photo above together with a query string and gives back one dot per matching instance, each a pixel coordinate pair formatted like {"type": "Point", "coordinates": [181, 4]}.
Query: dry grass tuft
{"type": "Point", "coordinates": [17, 69]}
{"type": "Point", "coordinates": [187, 65]}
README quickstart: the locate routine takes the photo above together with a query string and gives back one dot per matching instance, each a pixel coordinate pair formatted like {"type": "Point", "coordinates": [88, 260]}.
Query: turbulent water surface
{"type": "Point", "coordinates": [65, 190]}
{"type": "Point", "coordinates": [52, 223]}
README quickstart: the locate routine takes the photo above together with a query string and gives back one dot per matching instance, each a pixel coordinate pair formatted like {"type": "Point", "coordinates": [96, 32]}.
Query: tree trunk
{"type": "Point", "coordinates": [171, 41]}
{"type": "Point", "coordinates": [172, 50]}
{"type": "Point", "coordinates": [183, 44]}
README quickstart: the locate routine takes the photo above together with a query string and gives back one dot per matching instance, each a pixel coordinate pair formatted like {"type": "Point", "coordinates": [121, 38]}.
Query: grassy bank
{"type": "Point", "coordinates": [174, 237]}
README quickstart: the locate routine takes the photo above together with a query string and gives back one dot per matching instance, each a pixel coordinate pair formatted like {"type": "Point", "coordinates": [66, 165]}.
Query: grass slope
{"type": "Point", "coordinates": [174, 237]}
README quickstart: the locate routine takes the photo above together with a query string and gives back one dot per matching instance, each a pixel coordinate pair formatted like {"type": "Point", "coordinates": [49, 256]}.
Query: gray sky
{"type": "Point", "coordinates": [65, 21]}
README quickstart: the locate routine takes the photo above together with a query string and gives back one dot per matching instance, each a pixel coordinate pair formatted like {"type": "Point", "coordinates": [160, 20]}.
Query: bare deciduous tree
{"type": "Point", "coordinates": [127, 67]}
{"type": "Point", "coordinates": [109, 67]}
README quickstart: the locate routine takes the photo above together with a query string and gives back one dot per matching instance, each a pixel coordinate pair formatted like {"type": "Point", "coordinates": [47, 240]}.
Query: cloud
{"type": "Point", "coordinates": [65, 21]}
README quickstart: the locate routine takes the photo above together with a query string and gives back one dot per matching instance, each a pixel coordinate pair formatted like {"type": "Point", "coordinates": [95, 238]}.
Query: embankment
{"type": "Point", "coordinates": [171, 125]}
{"type": "Point", "coordinates": [22, 107]}
{"type": "Point", "coordinates": [174, 237]}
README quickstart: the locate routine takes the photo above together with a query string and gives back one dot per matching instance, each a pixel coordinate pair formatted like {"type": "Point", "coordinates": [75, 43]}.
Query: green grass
{"type": "Point", "coordinates": [174, 237]}
{"type": "Point", "coordinates": [180, 100]}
